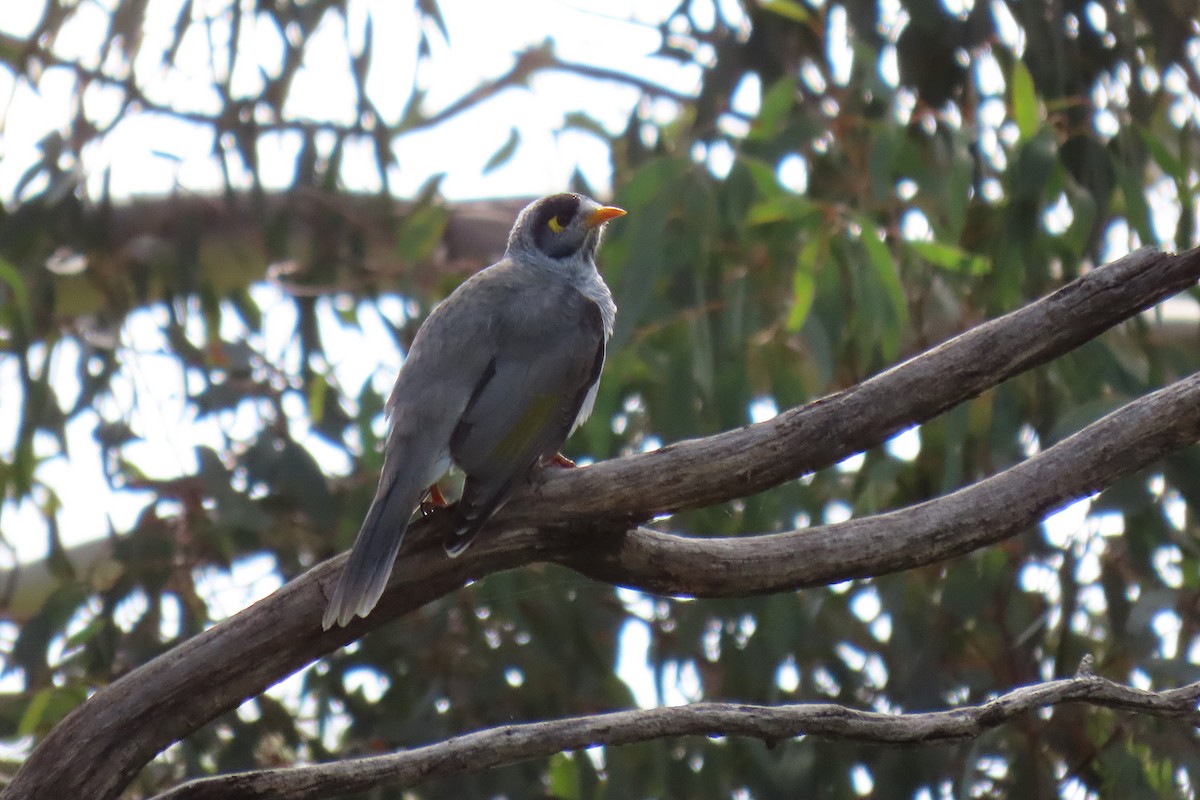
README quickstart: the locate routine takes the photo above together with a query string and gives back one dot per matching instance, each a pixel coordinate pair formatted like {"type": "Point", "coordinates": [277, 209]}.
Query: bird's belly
{"type": "Point", "coordinates": [585, 410]}
{"type": "Point", "coordinates": [439, 467]}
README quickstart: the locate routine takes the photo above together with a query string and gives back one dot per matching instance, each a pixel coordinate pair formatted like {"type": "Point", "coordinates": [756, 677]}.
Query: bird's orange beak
{"type": "Point", "coordinates": [604, 214]}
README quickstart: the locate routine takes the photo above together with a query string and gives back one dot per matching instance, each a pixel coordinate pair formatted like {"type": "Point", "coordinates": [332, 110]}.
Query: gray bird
{"type": "Point", "coordinates": [502, 371]}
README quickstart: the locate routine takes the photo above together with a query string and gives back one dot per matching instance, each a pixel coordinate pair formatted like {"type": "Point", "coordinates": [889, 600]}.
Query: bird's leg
{"type": "Point", "coordinates": [559, 460]}
{"type": "Point", "coordinates": [434, 499]}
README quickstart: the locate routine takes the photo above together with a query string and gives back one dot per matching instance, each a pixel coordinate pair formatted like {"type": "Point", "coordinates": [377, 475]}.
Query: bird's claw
{"type": "Point", "coordinates": [434, 500]}
{"type": "Point", "coordinates": [559, 460]}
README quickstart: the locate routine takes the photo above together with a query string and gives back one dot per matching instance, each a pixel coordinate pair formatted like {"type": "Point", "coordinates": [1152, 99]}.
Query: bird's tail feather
{"type": "Point", "coordinates": [473, 511]}
{"type": "Point", "coordinates": [464, 533]}
{"type": "Point", "coordinates": [370, 564]}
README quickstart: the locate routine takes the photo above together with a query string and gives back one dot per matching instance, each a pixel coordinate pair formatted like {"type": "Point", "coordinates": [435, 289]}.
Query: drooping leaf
{"type": "Point", "coordinates": [1024, 99]}
{"type": "Point", "coordinates": [505, 153]}
{"type": "Point", "coordinates": [950, 257]}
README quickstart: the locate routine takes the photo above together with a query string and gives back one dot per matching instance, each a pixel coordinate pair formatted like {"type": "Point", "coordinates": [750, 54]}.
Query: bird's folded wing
{"type": "Point", "coordinates": [523, 408]}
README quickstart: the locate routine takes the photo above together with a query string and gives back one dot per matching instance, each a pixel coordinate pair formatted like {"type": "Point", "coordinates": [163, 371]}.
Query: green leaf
{"type": "Point", "coordinates": [651, 181]}
{"type": "Point", "coordinates": [218, 397]}
{"type": "Point", "coordinates": [434, 14]}
{"type": "Point", "coordinates": [1137, 210]}
{"type": "Point", "coordinates": [289, 470]}
{"type": "Point", "coordinates": [34, 712]}
{"type": "Point", "coordinates": [421, 232]}
{"type": "Point", "coordinates": [318, 391]}
{"type": "Point", "coordinates": [957, 185]}
{"type": "Point", "coordinates": [564, 776]}
{"type": "Point", "coordinates": [412, 116]}
{"type": "Point", "coordinates": [1165, 159]}
{"type": "Point", "coordinates": [886, 147]}
{"type": "Point", "coordinates": [647, 247]}
{"type": "Point", "coordinates": [773, 113]}
{"type": "Point", "coordinates": [29, 652]}
{"type": "Point", "coordinates": [585, 122]}
{"type": "Point", "coordinates": [951, 257]}
{"type": "Point", "coordinates": [788, 9]}
{"type": "Point", "coordinates": [247, 309]}
{"type": "Point", "coordinates": [762, 175]}
{"type": "Point", "coordinates": [10, 276]}
{"type": "Point", "coordinates": [505, 153]}
{"type": "Point", "coordinates": [1036, 161]}
{"type": "Point", "coordinates": [804, 284]}
{"type": "Point", "coordinates": [786, 208]}
{"type": "Point", "coordinates": [111, 435]}
{"type": "Point", "coordinates": [1023, 97]}
{"type": "Point", "coordinates": [884, 266]}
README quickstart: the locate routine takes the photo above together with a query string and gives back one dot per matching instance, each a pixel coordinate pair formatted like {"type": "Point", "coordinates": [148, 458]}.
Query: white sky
{"type": "Point", "coordinates": [484, 37]}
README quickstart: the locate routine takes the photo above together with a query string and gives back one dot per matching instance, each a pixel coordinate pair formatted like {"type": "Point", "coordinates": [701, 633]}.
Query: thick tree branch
{"type": "Point", "coordinates": [101, 746]}
{"type": "Point", "coordinates": [981, 514]}
{"type": "Point", "coordinates": [508, 744]}
{"type": "Point", "coordinates": [699, 473]}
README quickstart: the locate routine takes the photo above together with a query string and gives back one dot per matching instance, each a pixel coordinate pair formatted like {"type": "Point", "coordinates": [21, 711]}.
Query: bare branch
{"type": "Point", "coordinates": [699, 473]}
{"type": "Point", "coordinates": [579, 518]}
{"type": "Point", "coordinates": [508, 744]}
{"type": "Point", "coordinates": [983, 513]}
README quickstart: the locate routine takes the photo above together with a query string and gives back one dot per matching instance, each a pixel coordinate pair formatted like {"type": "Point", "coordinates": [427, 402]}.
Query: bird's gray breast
{"type": "Point", "coordinates": [585, 280]}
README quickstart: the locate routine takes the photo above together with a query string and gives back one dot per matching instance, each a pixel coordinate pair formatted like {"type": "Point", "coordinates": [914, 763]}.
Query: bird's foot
{"type": "Point", "coordinates": [559, 460]}
{"type": "Point", "coordinates": [434, 500]}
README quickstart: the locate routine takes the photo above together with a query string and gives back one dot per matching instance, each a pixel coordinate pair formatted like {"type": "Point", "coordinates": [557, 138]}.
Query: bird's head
{"type": "Point", "coordinates": [561, 228]}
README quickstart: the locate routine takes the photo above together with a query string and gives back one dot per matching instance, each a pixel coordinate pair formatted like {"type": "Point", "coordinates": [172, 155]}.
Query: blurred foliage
{"type": "Point", "coordinates": [908, 172]}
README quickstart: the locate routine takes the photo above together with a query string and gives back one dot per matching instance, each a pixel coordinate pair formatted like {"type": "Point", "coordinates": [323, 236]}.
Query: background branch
{"type": "Point", "coordinates": [507, 744]}
{"type": "Point", "coordinates": [102, 745]}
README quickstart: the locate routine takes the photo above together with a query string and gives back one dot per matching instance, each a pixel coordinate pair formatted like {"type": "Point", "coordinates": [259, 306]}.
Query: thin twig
{"type": "Point", "coordinates": [508, 744]}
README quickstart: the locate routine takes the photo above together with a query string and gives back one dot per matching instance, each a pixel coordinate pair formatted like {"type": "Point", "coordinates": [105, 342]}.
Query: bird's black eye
{"type": "Point", "coordinates": [560, 221]}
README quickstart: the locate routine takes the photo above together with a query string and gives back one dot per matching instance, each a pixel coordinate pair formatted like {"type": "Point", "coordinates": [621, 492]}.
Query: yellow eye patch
{"type": "Point", "coordinates": [559, 222]}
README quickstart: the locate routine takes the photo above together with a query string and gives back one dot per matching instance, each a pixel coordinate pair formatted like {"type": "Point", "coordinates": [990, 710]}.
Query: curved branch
{"type": "Point", "coordinates": [701, 472]}
{"type": "Point", "coordinates": [508, 744]}
{"type": "Point", "coordinates": [983, 513]}
{"type": "Point", "coordinates": [103, 743]}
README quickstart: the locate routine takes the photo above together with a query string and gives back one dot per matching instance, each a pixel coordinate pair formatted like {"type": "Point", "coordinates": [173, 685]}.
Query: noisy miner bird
{"type": "Point", "coordinates": [502, 371]}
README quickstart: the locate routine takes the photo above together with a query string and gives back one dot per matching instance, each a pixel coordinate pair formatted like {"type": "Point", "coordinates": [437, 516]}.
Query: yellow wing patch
{"type": "Point", "coordinates": [526, 429]}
